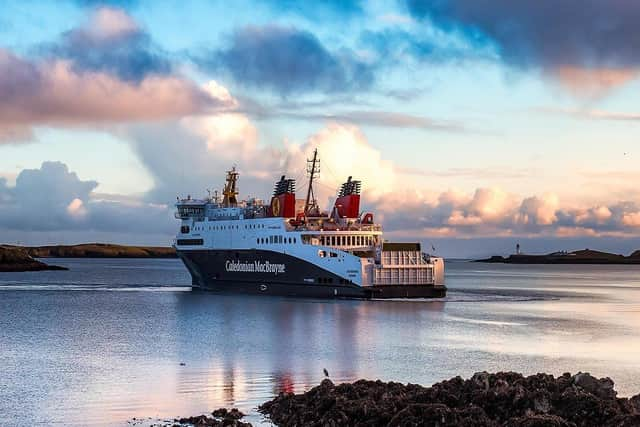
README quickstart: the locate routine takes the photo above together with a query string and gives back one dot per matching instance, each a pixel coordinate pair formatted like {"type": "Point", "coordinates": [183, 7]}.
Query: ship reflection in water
{"type": "Point", "coordinates": [105, 341]}
{"type": "Point", "coordinates": [278, 345]}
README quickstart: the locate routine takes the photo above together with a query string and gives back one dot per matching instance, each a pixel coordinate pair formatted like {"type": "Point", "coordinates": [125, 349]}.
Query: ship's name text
{"type": "Point", "coordinates": [255, 267]}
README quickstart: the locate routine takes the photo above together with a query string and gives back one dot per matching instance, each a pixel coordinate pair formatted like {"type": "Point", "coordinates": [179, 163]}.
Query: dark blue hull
{"type": "Point", "coordinates": [265, 272]}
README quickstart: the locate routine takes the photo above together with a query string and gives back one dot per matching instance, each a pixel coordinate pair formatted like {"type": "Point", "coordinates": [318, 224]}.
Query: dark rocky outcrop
{"type": "Point", "coordinates": [17, 259]}
{"type": "Point", "coordinates": [220, 418]}
{"type": "Point", "coordinates": [504, 399]}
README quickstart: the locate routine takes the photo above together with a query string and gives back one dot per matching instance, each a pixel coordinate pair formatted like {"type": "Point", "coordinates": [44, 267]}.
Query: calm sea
{"type": "Point", "coordinates": [111, 340]}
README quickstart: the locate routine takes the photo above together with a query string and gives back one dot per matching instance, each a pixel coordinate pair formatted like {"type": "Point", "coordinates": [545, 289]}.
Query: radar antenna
{"type": "Point", "coordinates": [230, 191]}
{"type": "Point", "coordinates": [313, 170]}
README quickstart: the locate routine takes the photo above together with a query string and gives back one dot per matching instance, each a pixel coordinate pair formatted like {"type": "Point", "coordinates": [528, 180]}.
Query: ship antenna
{"type": "Point", "coordinates": [313, 170]}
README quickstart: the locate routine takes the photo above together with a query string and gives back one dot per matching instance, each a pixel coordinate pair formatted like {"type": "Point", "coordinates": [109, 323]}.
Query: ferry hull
{"type": "Point", "coordinates": [211, 270]}
{"type": "Point", "coordinates": [217, 270]}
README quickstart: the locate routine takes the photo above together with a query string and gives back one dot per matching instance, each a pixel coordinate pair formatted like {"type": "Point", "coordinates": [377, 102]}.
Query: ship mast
{"type": "Point", "coordinates": [313, 169]}
{"type": "Point", "coordinates": [230, 191]}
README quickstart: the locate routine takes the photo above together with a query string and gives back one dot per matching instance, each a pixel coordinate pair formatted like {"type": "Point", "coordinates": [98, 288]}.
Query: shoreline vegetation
{"type": "Point", "coordinates": [585, 256]}
{"type": "Point", "coordinates": [504, 399]}
{"type": "Point", "coordinates": [14, 259]}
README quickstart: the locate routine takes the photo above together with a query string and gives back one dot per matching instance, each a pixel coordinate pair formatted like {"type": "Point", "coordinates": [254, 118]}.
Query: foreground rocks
{"type": "Point", "coordinates": [505, 399]}
{"type": "Point", "coordinates": [221, 417]}
{"type": "Point", "coordinates": [17, 259]}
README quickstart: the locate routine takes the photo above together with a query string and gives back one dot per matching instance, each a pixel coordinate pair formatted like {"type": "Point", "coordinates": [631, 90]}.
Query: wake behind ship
{"type": "Point", "coordinates": [290, 247]}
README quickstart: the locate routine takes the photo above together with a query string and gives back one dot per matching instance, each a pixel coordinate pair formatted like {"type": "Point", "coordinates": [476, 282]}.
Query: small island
{"type": "Point", "coordinates": [585, 256]}
{"type": "Point", "coordinates": [14, 259]}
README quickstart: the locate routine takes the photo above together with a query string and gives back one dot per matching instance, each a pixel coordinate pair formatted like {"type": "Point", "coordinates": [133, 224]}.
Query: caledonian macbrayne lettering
{"type": "Point", "coordinates": [255, 267]}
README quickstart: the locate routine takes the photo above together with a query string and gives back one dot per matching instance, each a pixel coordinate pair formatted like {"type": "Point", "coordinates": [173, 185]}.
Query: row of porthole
{"type": "Point", "coordinates": [276, 240]}
{"type": "Point", "coordinates": [227, 227]}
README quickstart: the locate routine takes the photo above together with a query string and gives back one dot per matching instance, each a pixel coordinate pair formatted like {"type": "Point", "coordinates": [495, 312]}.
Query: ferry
{"type": "Point", "coordinates": [290, 247]}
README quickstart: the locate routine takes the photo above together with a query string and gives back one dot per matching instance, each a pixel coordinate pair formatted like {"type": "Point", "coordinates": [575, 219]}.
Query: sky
{"type": "Point", "coordinates": [473, 124]}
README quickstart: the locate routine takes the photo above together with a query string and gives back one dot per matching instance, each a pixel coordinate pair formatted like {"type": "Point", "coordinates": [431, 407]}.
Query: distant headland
{"type": "Point", "coordinates": [22, 258]}
{"type": "Point", "coordinates": [100, 250]}
{"type": "Point", "coordinates": [585, 256]}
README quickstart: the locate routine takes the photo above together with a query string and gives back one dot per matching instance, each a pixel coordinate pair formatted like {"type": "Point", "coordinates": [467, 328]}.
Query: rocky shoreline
{"type": "Point", "coordinates": [503, 399]}
{"type": "Point", "coordinates": [14, 259]}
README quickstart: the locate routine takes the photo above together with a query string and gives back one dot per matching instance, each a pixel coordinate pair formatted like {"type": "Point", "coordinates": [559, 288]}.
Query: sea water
{"type": "Point", "coordinates": [110, 340]}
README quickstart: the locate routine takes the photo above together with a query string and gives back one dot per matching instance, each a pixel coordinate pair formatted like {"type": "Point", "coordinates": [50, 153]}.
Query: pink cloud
{"type": "Point", "coordinates": [594, 82]}
{"type": "Point", "coordinates": [52, 93]}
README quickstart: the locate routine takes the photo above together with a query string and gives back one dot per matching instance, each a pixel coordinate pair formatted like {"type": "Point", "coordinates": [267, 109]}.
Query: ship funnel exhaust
{"type": "Point", "coordinates": [283, 201]}
{"type": "Point", "coordinates": [348, 202]}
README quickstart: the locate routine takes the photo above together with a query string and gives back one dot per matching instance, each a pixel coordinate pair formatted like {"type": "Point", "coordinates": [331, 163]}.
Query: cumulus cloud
{"type": "Point", "coordinates": [52, 198]}
{"type": "Point", "coordinates": [288, 60]}
{"type": "Point", "coordinates": [44, 198]}
{"type": "Point", "coordinates": [202, 148]}
{"type": "Point", "coordinates": [590, 42]}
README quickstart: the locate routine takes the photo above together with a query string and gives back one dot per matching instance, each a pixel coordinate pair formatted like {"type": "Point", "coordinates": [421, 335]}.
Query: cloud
{"type": "Point", "coordinates": [110, 42]}
{"type": "Point", "coordinates": [201, 148]}
{"type": "Point", "coordinates": [41, 198]}
{"type": "Point", "coordinates": [53, 93]}
{"type": "Point", "coordinates": [287, 60]}
{"type": "Point", "coordinates": [586, 42]}
{"type": "Point", "coordinates": [538, 210]}
{"type": "Point", "coordinates": [601, 115]}
{"type": "Point", "coordinates": [383, 119]}
{"type": "Point", "coordinates": [52, 198]}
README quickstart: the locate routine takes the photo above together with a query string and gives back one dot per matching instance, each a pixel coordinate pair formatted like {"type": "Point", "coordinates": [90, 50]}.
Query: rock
{"type": "Point", "coordinates": [481, 380]}
{"type": "Point", "coordinates": [435, 414]}
{"type": "Point", "coordinates": [538, 421]}
{"type": "Point", "coordinates": [602, 388]}
{"type": "Point", "coordinates": [505, 399]}
{"type": "Point", "coordinates": [627, 420]}
{"type": "Point", "coordinates": [634, 403]}
{"type": "Point", "coordinates": [221, 418]}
